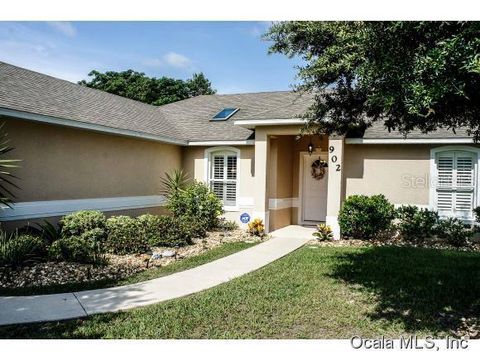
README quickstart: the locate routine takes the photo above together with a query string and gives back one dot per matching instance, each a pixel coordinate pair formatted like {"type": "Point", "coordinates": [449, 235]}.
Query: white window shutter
{"type": "Point", "coordinates": [456, 180]}
{"type": "Point", "coordinates": [224, 177]}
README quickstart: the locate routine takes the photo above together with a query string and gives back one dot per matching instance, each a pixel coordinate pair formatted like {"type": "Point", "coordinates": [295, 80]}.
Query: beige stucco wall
{"type": "Point", "coordinates": [61, 163]}
{"type": "Point", "coordinates": [195, 164]}
{"type": "Point", "coordinates": [400, 172]}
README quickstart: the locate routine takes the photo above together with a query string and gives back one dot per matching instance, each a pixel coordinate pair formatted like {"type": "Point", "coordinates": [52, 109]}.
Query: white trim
{"type": "Point", "coordinates": [252, 123]}
{"type": "Point", "coordinates": [433, 172]}
{"type": "Point", "coordinates": [207, 158]}
{"type": "Point", "coordinates": [88, 126]}
{"type": "Point", "coordinates": [409, 141]}
{"type": "Point", "coordinates": [282, 203]}
{"type": "Point", "coordinates": [42, 209]}
{"type": "Point", "coordinates": [222, 142]}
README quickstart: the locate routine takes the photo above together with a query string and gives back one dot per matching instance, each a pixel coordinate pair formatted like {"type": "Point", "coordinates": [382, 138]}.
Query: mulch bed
{"type": "Point", "coordinates": [117, 267]}
{"type": "Point", "coordinates": [393, 242]}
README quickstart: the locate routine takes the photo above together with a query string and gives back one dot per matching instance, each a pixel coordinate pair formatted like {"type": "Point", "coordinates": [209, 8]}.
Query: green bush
{"type": "Point", "coordinates": [149, 228]}
{"type": "Point", "coordinates": [198, 202]}
{"type": "Point", "coordinates": [77, 223]}
{"type": "Point", "coordinates": [173, 232]}
{"type": "Point", "coordinates": [454, 232]}
{"type": "Point", "coordinates": [197, 228]}
{"type": "Point", "coordinates": [124, 236]}
{"type": "Point", "coordinates": [416, 225]}
{"type": "Point", "coordinates": [168, 231]}
{"type": "Point", "coordinates": [17, 249]}
{"type": "Point", "coordinates": [364, 217]}
{"type": "Point", "coordinates": [82, 249]}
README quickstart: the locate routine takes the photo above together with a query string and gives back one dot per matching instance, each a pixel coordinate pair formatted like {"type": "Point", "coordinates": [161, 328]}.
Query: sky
{"type": "Point", "coordinates": [232, 55]}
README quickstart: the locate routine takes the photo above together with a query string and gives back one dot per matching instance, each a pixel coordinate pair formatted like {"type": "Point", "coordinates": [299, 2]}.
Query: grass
{"type": "Point", "coordinates": [323, 292]}
{"type": "Point", "coordinates": [210, 255]}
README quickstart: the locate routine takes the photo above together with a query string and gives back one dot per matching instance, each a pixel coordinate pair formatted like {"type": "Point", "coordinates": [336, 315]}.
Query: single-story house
{"type": "Point", "coordinates": [87, 149]}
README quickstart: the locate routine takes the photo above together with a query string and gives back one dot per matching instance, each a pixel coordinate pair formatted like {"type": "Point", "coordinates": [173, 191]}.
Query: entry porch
{"type": "Point", "coordinates": [298, 179]}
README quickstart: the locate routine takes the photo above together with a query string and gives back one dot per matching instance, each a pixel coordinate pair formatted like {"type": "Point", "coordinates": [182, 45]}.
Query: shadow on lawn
{"type": "Point", "coordinates": [424, 289]}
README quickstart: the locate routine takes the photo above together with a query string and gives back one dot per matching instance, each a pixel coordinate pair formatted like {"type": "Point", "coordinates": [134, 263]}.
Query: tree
{"type": "Point", "coordinates": [408, 75]}
{"type": "Point", "coordinates": [156, 91]}
{"type": "Point", "coordinates": [199, 85]}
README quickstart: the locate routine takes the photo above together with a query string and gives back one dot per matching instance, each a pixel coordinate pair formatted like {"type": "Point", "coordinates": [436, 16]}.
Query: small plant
{"type": "Point", "coordinates": [174, 182]}
{"type": "Point", "coordinates": [454, 232]}
{"type": "Point", "coordinates": [75, 224]}
{"type": "Point", "coordinates": [364, 217]}
{"type": "Point", "coordinates": [227, 225]}
{"type": "Point", "coordinates": [197, 202]}
{"type": "Point", "coordinates": [416, 224]}
{"type": "Point", "coordinates": [6, 166]}
{"type": "Point", "coordinates": [124, 236]}
{"type": "Point", "coordinates": [256, 227]}
{"type": "Point", "coordinates": [16, 249]}
{"type": "Point", "coordinates": [324, 233]}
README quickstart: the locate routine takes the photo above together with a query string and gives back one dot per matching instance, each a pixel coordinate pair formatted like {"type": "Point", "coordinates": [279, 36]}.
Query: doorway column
{"type": "Point", "coordinates": [335, 182]}
{"type": "Point", "coordinates": [261, 170]}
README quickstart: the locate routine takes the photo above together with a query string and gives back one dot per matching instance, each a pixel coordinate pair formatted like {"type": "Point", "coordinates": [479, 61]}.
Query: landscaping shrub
{"type": "Point", "coordinates": [167, 231]}
{"type": "Point", "coordinates": [198, 202]}
{"type": "Point", "coordinates": [124, 236]}
{"type": "Point", "coordinates": [324, 233]}
{"type": "Point", "coordinates": [256, 227]}
{"type": "Point", "coordinates": [149, 228]}
{"type": "Point", "coordinates": [16, 249]}
{"type": "Point", "coordinates": [364, 217]}
{"type": "Point", "coordinates": [454, 232]}
{"type": "Point", "coordinates": [476, 212]}
{"type": "Point", "coordinates": [196, 227]}
{"type": "Point", "coordinates": [416, 225]}
{"type": "Point", "coordinates": [84, 249]}
{"type": "Point", "coordinates": [75, 224]}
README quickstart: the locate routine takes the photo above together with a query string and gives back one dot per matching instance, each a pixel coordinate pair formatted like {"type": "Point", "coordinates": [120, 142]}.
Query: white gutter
{"type": "Point", "coordinates": [89, 126]}
{"type": "Point", "coordinates": [252, 123]}
{"type": "Point", "coordinates": [223, 142]}
{"type": "Point", "coordinates": [409, 141]}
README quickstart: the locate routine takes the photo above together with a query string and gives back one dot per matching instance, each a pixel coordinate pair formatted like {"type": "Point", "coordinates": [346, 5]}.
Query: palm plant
{"type": "Point", "coordinates": [174, 182]}
{"type": "Point", "coordinates": [6, 166]}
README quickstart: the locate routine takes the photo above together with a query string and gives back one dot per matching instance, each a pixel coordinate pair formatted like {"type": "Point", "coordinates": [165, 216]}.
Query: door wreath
{"type": "Point", "coordinates": [318, 169]}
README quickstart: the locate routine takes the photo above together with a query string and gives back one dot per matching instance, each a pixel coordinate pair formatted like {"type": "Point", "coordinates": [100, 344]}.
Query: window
{"type": "Point", "coordinates": [223, 176]}
{"type": "Point", "coordinates": [225, 114]}
{"type": "Point", "coordinates": [456, 183]}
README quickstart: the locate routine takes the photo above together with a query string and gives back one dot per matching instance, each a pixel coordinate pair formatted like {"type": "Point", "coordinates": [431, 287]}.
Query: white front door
{"type": "Point", "coordinates": [314, 192]}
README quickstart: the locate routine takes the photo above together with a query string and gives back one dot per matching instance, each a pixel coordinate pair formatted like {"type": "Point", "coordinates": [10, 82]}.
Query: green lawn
{"type": "Point", "coordinates": [311, 293]}
{"type": "Point", "coordinates": [181, 265]}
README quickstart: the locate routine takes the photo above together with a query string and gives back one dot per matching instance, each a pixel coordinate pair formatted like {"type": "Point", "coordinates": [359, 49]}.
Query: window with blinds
{"type": "Point", "coordinates": [456, 180]}
{"type": "Point", "coordinates": [223, 177]}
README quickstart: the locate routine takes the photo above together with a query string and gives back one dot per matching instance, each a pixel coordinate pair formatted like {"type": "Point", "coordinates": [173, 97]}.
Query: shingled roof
{"type": "Point", "coordinates": [188, 120]}
{"type": "Point", "coordinates": [33, 93]}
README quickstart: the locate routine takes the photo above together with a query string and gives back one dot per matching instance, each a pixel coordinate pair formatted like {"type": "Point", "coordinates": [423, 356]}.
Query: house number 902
{"type": "Point", "coordinates": [334, 158]}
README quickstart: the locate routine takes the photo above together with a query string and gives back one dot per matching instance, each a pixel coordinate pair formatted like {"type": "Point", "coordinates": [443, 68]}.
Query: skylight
{"type": "Point", "coordinates": [225, 114]}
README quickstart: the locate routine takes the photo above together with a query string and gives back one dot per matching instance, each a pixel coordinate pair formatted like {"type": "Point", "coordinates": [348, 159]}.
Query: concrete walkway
{"type": "Point", "coordinates": [25, 309]}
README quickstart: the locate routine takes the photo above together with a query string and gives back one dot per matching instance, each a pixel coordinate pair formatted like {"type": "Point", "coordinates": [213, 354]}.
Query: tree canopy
{"type": "Point", "coordinates": [156, 91]}
{"type": "Point", "coordinates": [408, 75]}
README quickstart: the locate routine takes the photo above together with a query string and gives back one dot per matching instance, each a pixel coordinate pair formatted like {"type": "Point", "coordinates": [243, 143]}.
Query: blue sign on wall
{"type": "Point", "coordinates": [245, 218]}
